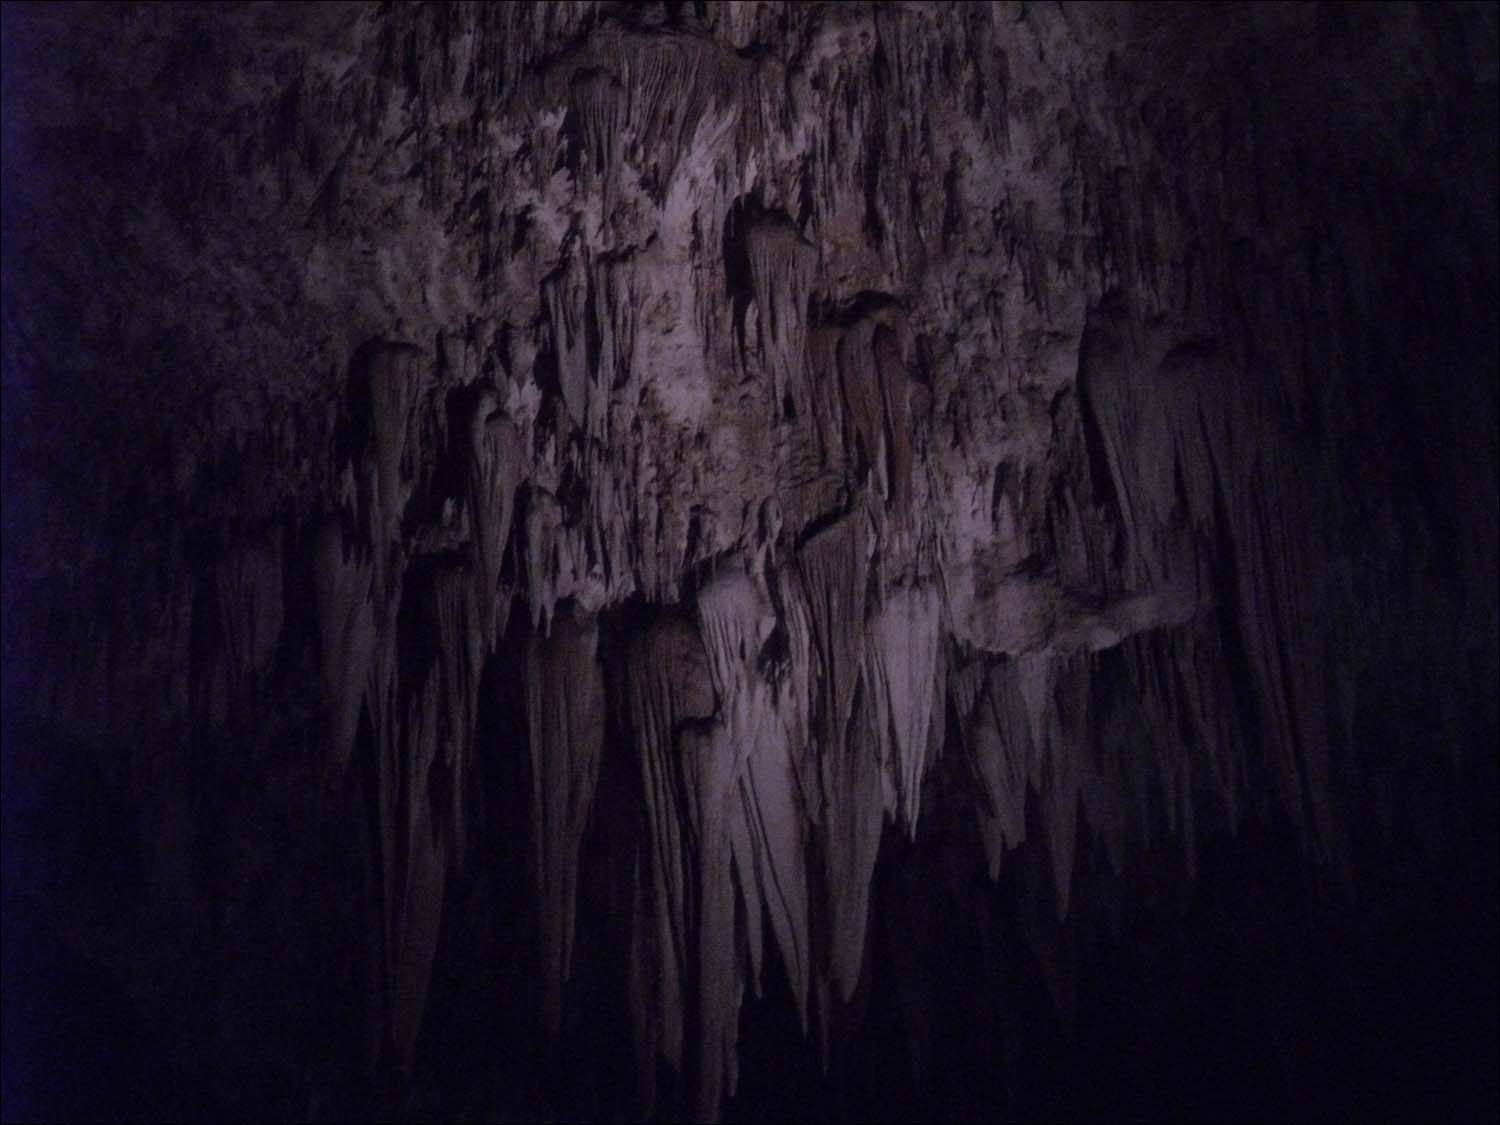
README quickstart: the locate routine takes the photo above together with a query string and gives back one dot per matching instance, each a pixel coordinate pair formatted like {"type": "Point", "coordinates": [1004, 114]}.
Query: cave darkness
{"type": "Point", "coordinates": [750, 561]}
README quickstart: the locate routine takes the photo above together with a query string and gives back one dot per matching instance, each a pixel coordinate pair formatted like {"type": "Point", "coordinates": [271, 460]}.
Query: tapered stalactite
{"type": "Point", "coordinates": [495, 474]}
{"type": "Point", "coordinates": [346, 626]}
{"type": "Point", "coordinates": [250, 608]}
{"type": "Point", "coordinates": [750, 811]}
{"type": "Point", "coordinates": [387, 384]}
{"type": "Point", "coordinates": [461, 637]}
{"type": "Point", "coordinates": [834, 567]}
{"type": "Point", "coordinates": [782, 267]}
{"type": "Point", "coordinates": [1001, 743]}
{"type": "Point", "coordinates": [668, 684]}
{"type": "Point", "coordinates": [420, 873]}
{"type": "Point", "coordinates": [565, 716]}
{"type": "Point", "coordinates": [1178, 424]}
{"type": "Point", "coordinates": [906, 692]}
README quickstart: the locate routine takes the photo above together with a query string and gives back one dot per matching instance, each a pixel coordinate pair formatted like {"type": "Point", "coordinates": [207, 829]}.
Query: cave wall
{"type": "Point", "coordinates": [591, 524]}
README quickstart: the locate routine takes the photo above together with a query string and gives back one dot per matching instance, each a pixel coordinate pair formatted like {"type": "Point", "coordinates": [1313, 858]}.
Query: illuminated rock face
{"type": "Point", "coordinates": [676, 452]}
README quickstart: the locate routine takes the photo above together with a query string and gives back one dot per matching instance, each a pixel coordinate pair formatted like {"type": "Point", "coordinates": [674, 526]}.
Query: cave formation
{"type": "Point", "coordinates": [750, 561]}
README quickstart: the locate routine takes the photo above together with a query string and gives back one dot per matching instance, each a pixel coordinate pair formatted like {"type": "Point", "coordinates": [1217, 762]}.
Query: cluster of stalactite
{"type": "Point", "coordinates": [909, 365]}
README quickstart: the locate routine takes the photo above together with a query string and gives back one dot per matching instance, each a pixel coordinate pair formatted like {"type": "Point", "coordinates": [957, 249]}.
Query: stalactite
{"type": "Point", "coordinates": [250, 609]}
{"type": "Point", "coordinates": [394, 382]}
{"type": "Point", "coordinates": [834, 566]}
{"type": "Point", "coordinates": [782, 269]}
{"type": "Point", "coordinates": [668, 683]}
{"type": "Point", "coordinates": [748, 810]}
{"type": "Point", "coordinates": [905, 689]}
{"type": "Point", "coordinates": [419, 872]}
{"type": "Point", "coordinates": [1065, 754]}
{"type": "Point", "coordinates": [496, 470]}
{"type": "Point", "coordinates": [1004, 749]}
{"type": "Point", "coordinates": [1178, 425]}
{"type": "Point", "coordinates": [346, 624]}
{"type": "Point", "coordinates": [565, 717]}
{"type": "Point", "coordinates": [461, 633]}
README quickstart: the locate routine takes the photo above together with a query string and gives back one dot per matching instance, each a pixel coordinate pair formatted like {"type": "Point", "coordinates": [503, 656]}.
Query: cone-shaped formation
{"type": "Point", "coordinates": [565, 713]}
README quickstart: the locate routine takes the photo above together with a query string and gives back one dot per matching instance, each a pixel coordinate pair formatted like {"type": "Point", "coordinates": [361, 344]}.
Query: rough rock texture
{"type": "Point", "coordinates": [549, 502]}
